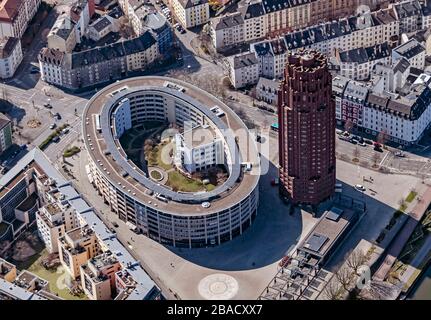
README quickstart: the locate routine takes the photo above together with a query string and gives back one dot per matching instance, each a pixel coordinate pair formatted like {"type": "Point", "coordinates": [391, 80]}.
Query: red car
{"type": "Point", "coordinates": [377, 145]}
{"type": "Point", "coordinates": [284, 262]}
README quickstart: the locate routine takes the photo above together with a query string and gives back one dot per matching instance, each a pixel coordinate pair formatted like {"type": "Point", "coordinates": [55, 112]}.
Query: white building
{"type": "Point", "coordinates": [62, 35]}
{"type": "Point", "coordinates": [53, 221]}
{"type": "Point", "coordinates": [368, 30]}
{"type": "Point", "coordinates": [50, 64]}
{"type": "Point", "coordinates": [198, 149]}
{"type": "Point", "coordinates": [227, 31]}
{"type": "Point", "coordinates": [15, 16]}
{"type": "Point", "coordinates": [267, 91]}
{"type": "Point", "coordinates": [412, 51]}
{"type": "Point", "coordinates": [10, 56]}
{"type": "Point", "coordinates": [191, 13]}
{"type": "Point", "coordinates": [409, 15]}
{"type": "Point", "coordinates": [357, 64]}
{"type": "Point", "coordinates": [402, 116]}
{"type": "Point", "coordinates": [101, 27]}
{"type": "Point", "coordinates": [243, 69]}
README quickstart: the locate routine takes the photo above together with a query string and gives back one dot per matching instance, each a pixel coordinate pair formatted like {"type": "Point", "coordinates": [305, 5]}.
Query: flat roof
{"type": "Point", "coordinates": [328, 229]}
{"type": "Point", "coordinates": [228, 194]}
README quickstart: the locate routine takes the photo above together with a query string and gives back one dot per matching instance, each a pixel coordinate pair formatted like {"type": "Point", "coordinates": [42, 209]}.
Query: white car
{"type": "Point", "coordinates": [360, 187]}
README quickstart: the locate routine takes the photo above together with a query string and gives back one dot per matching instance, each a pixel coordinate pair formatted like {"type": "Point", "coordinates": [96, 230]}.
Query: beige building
{"type": "Point", "coordinates": [191, 13]}
{"type": "Point", "coordinates": [7, 271]}
{"type": "Point", "coordinates": [53, 221]}
{"type": "Point", "coordinates": [98, 276]}
{"type": "Point", "coordinates": [62, 35]}
{"type": "Point", "coordinates": [76, 247]}
{"type": "Point", "coordinates": [15, 16]}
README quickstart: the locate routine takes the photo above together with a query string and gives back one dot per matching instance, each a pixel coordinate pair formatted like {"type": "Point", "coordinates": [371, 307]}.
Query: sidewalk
{"type": "Point", "coordinates": [414, 269]}
{"type": "Point", "coordinates": [395, 248]}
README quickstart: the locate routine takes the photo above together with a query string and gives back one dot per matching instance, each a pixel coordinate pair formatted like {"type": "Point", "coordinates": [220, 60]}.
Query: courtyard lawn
{"type": "Point", "coordinates": [181, 183]}
{"type": "Point", "coordinates": [155, 158]}
{"type": "Point", "coordinates": [56, 279]}
{"type": "Point", "coordinates": [177, 181]}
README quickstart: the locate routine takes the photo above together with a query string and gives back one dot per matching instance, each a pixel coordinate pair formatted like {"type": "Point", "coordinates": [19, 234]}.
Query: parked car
{"type": "Point", "coordinates": [362, 144]}
{"type": "Point", "coordinates": [378, 145]}
{"type": "Point", "coordinates": [360, 187]}
{"type": "Point", "coordinates": [115, 224]}
{"type": "Point", "coordinates": [353, 141]}
{"type": "Point", "coordinates": [368, 141]}
{"type": "Point", "coordinates": [58, 116]}
{"type": "Point", "coordinates": [56, 139]}
{"type": "Point", "coordinates": [52, 126]}
{"type": "Point", "coordinates": [378, 149]}
{"type": "Point", "coordinates": [65, 131]}
{"type": "Point", "coordinates": [338, 131]}
{"type": "Point", "coordinates": [48, 105]}
{"type": "Point", "coordinates": [400, 154]}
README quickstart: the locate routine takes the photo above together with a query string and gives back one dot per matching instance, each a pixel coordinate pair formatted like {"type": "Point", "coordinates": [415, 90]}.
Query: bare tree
{"type": "Point", "coordinates": [348, 125]}
{"type": "Point", "coordinates": [356, 259]}
{"type": "Point", "coordinates": [344, 275]}
{"type": "Point", "coordinates": [375, 158]}
{"type": "Point", "coordinates": [332, 290]}
{"type": "Point", "coordinates": [378, 290]}
{"type": "Point", "coordinates": [356, 153]}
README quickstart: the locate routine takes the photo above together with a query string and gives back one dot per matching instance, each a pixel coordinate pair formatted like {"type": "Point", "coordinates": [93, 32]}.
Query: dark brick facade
{"type": "Point", "coordinates": [306, 118]}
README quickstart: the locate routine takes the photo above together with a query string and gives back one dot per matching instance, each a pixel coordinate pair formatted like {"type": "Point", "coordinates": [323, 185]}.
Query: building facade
{"type": "Point", "coordinates": [306, 119]}
{"type": "Point", "coordinates": [191, 13]}
{"type": "Point", "coordinates": [10, 56]}
{"type": "Point", "coordinates": [15, 15]}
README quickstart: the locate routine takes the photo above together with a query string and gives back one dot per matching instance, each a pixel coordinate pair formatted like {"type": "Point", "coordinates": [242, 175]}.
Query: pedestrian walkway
{"type": "Point", "coordinates": [397, 245]}
{"type": "Point", "coordinates": [414, 269]}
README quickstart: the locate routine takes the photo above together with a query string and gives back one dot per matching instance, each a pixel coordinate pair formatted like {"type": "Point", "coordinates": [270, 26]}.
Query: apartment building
{"type": "Point", "coordinates": [409, 14]}
{"type": "Point", "coordinates": [402, 114]}
{"type": "Point", "coordinates": [412, 51]}
{"type": "Point", "coordinates": [267, 90]}
{"type": "Point", "coordinates": [255, 23]}
{"type": "Point", "coordinates": [15, 15]}
{"type": "Point", "coordinates": [99, 65]}
{"type": "Point", "coordinates": [272, 57]}
{"type": "Point", "coordinates": [62, 35]}
{"type": "Point", "coordinates": [198, 149]}
{"type": "Point", "coordinates": [243, 69]}
{"type": "Point", "coordinates": [368, 30]}
{"type": "Point", "coordinates": [53, 221]}
{"type": "Point", "coordinates": [5, 132]}
{"type": "Point", "coordinates": [44, 177]}
{"type": "Point", "coordinates": [357, 64]}
{"type": "Point", "coordinates": [101, 27]}
{"type": "Point", "coordinates": [98, 276]}
{"type": "Point", "coordinates": [256, 20]}
{"type": "Point", "coordinates": [76, 247]}
{"type": "Point", "coordinates": [10, 56]}
{"type": "Point", "coordinates": [7, 271]}
{"type": "Point", "coordinates": [191, 13]}
{"type": "Point", "coordinates": [226, 31]}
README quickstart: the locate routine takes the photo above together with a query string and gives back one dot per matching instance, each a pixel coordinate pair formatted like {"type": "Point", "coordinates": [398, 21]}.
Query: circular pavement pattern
{"type": "Point", "coordinates": [218, 286]}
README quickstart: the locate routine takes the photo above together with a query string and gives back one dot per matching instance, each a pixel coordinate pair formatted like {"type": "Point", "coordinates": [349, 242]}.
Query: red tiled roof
{"type": "Point", "coordinates": [9, 9]}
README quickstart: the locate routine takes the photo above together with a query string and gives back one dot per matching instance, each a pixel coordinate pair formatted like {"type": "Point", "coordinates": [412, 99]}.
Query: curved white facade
{"type": "Point", "coordinates": [173, 218]}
